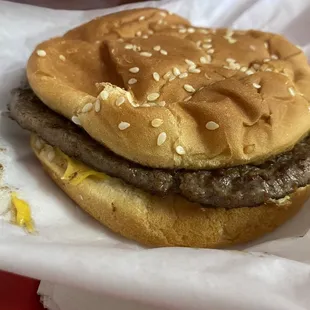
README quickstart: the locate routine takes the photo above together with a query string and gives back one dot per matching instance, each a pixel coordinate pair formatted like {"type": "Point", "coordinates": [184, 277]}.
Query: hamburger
{"type": "Point", "coordinates": [170, 134]}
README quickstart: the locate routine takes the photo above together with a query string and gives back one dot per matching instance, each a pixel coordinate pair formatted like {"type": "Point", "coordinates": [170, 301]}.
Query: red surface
{"type": "Point", "coordinates": [18, 293]}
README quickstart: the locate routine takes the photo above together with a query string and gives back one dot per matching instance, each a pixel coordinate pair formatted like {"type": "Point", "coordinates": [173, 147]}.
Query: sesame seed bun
{"type": "Point", "coordinates": [222, 98]}
{"type": "Point", "coordinates": [170, 221]}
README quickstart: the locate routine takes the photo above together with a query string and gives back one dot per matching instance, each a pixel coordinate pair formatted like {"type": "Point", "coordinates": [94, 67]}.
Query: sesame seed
{"type": "Point", "coordinates": [180, 150]}
{"type": "Point", "coordinates": [150, 31]}
{"type": "Point", "coordinates": [104, 95]}
{"type": "Point", "coordinates": [156, 76]}
{"type": "Point", "coordinates": [145, 36]}
{"type": "Point", "coordinates": [98, 42]}
{"type": "Point", "coordinates": [194, 70]}
{"type": "Point", "coordinates": [131, 101]}
{"type": "Point", "coordinates": [163, 14]}
{"type": "Point", "coordinates": [160, 22]}
{"type": "Point", "coordinates": [210, 51]}
{"type": "Point", "coordinates": [256, 85]}
{"type": "Point", "coordinates": [252, 47]}
{"type": "Point", "coordinates": [97, 106]}
{"type": "Point", "coordinates": [203, 60]}
{"type": "Point", "coordinates": [292, 91]}
{"type": "Point", "coordinates": [234, 66]}
{"type": "Point", "coordinates": [145, 105]}
{"type": "Point", "coordinates": [134, 70]}
{"type": "Point", "coordinates": [203, 31]}
{"type": "Point", "coordinates": [188, 98]}
{"type": "Point", "coordinates": [62, 57]}
{"type": "Point", "coordinates": [183, 75]}
{"type": "Point", "coordinates": [161, 138]}
{"type": "Point", "coordinates": [51, 155]}
{"type": "Point", "coordinates": [176, 71]}
{"type": "Point", "coordinates": [128, 46]}
{"type": "Point", "coordinates": [157, 122]}
{"type": "Point", "coordinates": [189, 62]}
{"type": "Point", "coordinates": [132, 81]}
{"type": "Point", "coordinates": [120, 40]}
{"type": "Point", "coordinates": [266, 60]}
{"type": "Point", "coordinates": [172, 77]}
{"type": "Point", "coordinates": [243, 69]}
{"type": "Point", "coordinates": [268, 69]}
{"type": "Point", "coordinates": [198, 43]}
{"type": "Point", "coordinates": [138, 33]}
{"type": "Point", "coordinates": [153, 96]}
{"type": "Point", "coordinates": [163, 52]}
{"type": "Point", "coordinates": [81, 197]}
{"type": "Point", "coordinates": [162, 103]}
{"type": "Point", "coordinates": [274, 57]}
{"type": "Point", "coordinates": [230, 60]}
{"type": "Point", "coordinates": [41, 53]}
{"type": "Point", "coordinates": [87, 107]}
{"type": "Point", "coordinates": [227, 67]}
{"type": "Point", "coordinates": [249, 72]}
{"type": "Point", "coordinates": [209, 40]}
{"type": "Point", "coordinates": [212, 125]}
{"type": "Point", "coordinates": [207, 76]}
{"type": "Point", "coordinates": [123, 125]}
{"type": "Point", "coordinates": [146, 54]}
{"type": "Point", "coordinates": [76, 120]}
{"type": "Point", "coordinates": [136, 48]}
{"type": "Point", "coordinates": [167, 75]}
{"type": "Point", "coordinates": [207, 46]}
{"type": "Point", "coordinates": [182, 30]}
{"type": "Point", "coordinates": [156, 48]}
{"type": "Point", "coordinates": [266, 44]}
{"type": "Point", "coordinates": [119, 101]}
{"type": "Point", "coordinates": [141, 18]}
{"type": "Point", "coordinates": [189, 88]}
{"type": "Point", "coordinates": [190, 30]}
{"type": "Point", "coordinates": [231, 40]}
{"type": "Point", "coordinates": [256, 66]}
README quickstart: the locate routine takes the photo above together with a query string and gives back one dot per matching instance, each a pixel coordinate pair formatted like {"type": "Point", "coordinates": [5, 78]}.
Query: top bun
{"type": "Point", "coordinates": [162, 93]}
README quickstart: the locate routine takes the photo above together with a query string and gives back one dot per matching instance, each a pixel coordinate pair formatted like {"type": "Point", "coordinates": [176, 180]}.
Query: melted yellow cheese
{"type": "Point", "coordinates": [22, 213]}
{"type": "Point", "coordinates": [76, 172]}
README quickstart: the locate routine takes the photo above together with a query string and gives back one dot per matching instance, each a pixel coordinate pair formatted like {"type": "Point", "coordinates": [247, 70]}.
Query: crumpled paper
{"type": "Point", "coordinates": [71, 249]}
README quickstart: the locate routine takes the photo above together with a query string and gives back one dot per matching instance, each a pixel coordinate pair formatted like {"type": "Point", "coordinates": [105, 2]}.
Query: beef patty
{"type": "Point", "coordinates": [241, 186]}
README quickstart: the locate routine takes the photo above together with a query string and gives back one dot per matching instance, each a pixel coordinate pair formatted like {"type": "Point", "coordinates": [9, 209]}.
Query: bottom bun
{"type": "Point", "coordinates": [169, 221]}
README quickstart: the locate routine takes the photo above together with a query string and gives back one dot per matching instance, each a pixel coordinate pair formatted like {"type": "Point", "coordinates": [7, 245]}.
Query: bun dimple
{"type": "Point", "coordinates": [169, 221]}
{"type": "Point", "coordinates": [222, 97]}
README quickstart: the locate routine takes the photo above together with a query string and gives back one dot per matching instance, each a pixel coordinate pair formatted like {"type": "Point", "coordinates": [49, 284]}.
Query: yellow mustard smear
{"type": "Point", "coordinates": [76, 172]}
{"type": "Point", "coordinates": [22, 213]}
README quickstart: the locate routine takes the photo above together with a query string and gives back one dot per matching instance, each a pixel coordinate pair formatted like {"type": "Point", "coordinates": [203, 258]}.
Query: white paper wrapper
{"type": "Point", "coordinates": [70, 248]}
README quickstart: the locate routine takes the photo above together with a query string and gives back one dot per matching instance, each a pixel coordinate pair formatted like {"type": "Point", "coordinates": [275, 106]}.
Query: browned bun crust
{"type": "Point", "coordinates": [259, 114]}
{"type": "Point", "coordinates": [170, 221]}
